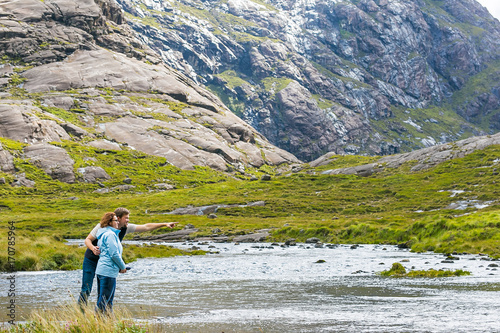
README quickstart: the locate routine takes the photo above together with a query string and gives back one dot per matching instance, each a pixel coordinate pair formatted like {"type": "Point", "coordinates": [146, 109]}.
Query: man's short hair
{"type": "Point", "coordinates": [120, 212]}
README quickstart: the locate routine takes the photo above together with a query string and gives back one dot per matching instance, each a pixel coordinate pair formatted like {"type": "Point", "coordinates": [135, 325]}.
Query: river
{"type": "Point", "coordinates": [263, 288]}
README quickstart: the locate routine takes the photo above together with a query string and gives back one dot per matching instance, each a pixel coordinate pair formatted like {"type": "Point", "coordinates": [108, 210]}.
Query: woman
{"type": "Point", "coordinates": [110, 262]}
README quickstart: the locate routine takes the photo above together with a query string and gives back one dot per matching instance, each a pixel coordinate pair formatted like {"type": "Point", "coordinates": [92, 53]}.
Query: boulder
{"type": "Point", "coordinates": [93, 174]}
{"type": "Point", "coordinates": [55, 161]}
{"type": "Point", "coordinates": [164, 186]}
{"type": "Point", "coordinates": [210, 209]}
{"type": "Point", "coordinates": [313, 240]}
{"type": "Point", "coordinates": [252, 238]}
{"type": "Point", "coordinates": [22, 181]}
{"type": "Point", "coordinates": [6, 160]}
{"type": "Point", "coordinates": [75, 130]}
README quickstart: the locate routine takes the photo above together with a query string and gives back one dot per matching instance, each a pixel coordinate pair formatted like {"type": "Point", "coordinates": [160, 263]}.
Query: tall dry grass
{"type": "Point", "coordinates": [70, 318]}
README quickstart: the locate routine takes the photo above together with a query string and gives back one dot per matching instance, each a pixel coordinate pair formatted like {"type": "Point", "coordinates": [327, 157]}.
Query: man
{"type": "Point", "coordinates": [92, 252]}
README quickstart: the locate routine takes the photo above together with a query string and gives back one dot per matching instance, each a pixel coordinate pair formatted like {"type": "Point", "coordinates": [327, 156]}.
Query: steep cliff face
{"type": "Point", "coordinates": [359, 76]}
{"type": "Point", "coordinates": [72, 70]}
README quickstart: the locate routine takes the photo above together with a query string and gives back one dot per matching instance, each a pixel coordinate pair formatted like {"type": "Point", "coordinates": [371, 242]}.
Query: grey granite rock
{"type": "Point", "coordinates": [6, 160]}
{"type": "Point", "coordinates": [55, 161]}
{"type": "Point", "coordinates": [93, 174]}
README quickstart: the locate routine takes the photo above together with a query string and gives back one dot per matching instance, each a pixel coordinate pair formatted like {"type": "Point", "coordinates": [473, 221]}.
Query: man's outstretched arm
{"type": "Point", "coordinates": [154, 226]}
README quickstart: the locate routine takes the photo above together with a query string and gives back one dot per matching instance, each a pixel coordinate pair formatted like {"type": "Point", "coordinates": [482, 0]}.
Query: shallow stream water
{"type": "Point", "coordinates": [263, 288]}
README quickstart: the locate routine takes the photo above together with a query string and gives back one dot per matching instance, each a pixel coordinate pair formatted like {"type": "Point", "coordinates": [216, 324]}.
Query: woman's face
{"type": "Point", "coordinates": [114, 222]}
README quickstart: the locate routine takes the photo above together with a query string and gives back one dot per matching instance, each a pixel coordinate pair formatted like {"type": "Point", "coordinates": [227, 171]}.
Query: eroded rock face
{"type": "Point", "coordinates": [93, 79]}
{"type": "Point", "coordinates": [18, 121]}
{"type": "Point", "coordinates": [348, 65]}
{"type": "Point", "coordinates": [55, 161]}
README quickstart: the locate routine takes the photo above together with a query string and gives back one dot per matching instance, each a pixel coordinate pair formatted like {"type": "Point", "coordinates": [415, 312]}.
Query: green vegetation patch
{"type": "Point", "coordinates": [323, 103]}
{"type": "Point", "coordinates": [177, 107]}
{"type": "Point", "coordinates": [275, 84]}
{"type": "Point", "coordinates": [233, 103]}
{"type": "Point", "coordinates": [266, 5]}
{"type": "Point", "coordinates": [12, 146]}
{"type": "Point", "coordinates": [232, 78]}
{"type": "Point", "coordinates": [68, 116]}
{"type": "Point", "coordinates": [397, 270]}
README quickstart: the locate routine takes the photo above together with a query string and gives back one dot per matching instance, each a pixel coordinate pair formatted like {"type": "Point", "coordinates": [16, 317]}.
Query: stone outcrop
{"type": "Point", "coordinates": [425, 158]}
{"type": "Point", "coordinates": [6, 160]}
{"type": "Point", "coordinates": [93, 174]}
{"type": "Point", "coordinates": [55, 161]}
{"type": "Point", "coordinates": [177, 235]}
{"type": "Point", "coordinates": [352, 77]}
{"type": "Point", "coordinates": [341, 77]}
{"type": "Point", "coordinates": [252, 237]}
{"type": "Point", "coordinates": [22, 181]}
{"type": "Point", "coordinates": [206, 210]}
{"type": "Point", "coordinates": [18, 121]}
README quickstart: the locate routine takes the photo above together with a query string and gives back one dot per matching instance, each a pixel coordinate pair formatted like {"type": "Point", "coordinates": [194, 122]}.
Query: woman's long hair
{"type": "Point", "coordinates": [107, 219]}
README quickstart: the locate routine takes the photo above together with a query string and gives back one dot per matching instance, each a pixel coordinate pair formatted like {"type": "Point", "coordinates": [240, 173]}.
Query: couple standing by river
{"type": "Point", "coordinates": [103, 256]}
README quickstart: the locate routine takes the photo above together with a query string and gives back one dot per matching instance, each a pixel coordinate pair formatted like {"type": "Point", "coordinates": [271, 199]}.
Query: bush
{"type": "Point", "coordinates": [396, 270]}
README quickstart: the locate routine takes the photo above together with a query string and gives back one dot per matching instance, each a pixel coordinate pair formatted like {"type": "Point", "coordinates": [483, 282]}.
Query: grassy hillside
{"type": "Point", "coordinates": [393, 207]}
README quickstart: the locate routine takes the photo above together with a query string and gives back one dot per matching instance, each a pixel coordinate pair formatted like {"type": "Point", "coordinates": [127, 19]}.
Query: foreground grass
{"type": "Point", "coordinates": [396, 206]}
{"type": "Point", "coordinates": [70, 318]}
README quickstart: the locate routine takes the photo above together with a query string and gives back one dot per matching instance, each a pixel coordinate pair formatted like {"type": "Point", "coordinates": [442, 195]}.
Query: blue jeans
{"type": "Point", "coordinates": [106, 286]}
{"type": "Point", "coordinates": [88, 268]}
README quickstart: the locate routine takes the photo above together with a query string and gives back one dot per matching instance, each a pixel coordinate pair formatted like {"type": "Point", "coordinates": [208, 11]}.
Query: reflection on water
{"type": "Point", "coordinates": [255, 288]}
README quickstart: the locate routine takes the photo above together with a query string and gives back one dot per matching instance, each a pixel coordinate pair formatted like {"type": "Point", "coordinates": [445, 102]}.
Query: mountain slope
{"type": "Point", "coordinates": [72, 70]}
{"type": "Point", "coordinates": [357, 77]}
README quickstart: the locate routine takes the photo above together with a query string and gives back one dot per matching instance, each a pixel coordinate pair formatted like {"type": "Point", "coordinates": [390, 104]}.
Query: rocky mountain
{"type": "Point", "coordinates": [343, 76]}
{"type": "Point", "coordinates": [74, 70]}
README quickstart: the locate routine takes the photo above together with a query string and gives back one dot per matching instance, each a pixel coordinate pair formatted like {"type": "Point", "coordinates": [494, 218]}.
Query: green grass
{"type": "Point", "coordinates": [70, 318]}
{"type": "Point", "coordinates": [232, 79]}
{"type": "Point", "coordinates": [233, 103]}
{"type": "Point", "coordinates": [276, 84]}
{"type": "Point", "coordinates": [323, 103]}
{"type": "Point", "coordinates": [392, 207]}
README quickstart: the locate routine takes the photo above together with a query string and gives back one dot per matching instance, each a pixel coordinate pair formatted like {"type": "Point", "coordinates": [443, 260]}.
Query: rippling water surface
{"type": "Point", "coordinates": [260, 288]}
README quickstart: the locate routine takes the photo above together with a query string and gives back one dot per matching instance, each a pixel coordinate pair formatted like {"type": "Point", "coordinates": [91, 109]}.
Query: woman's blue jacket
{"type": "Point", "coordinates": [110, 260]}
